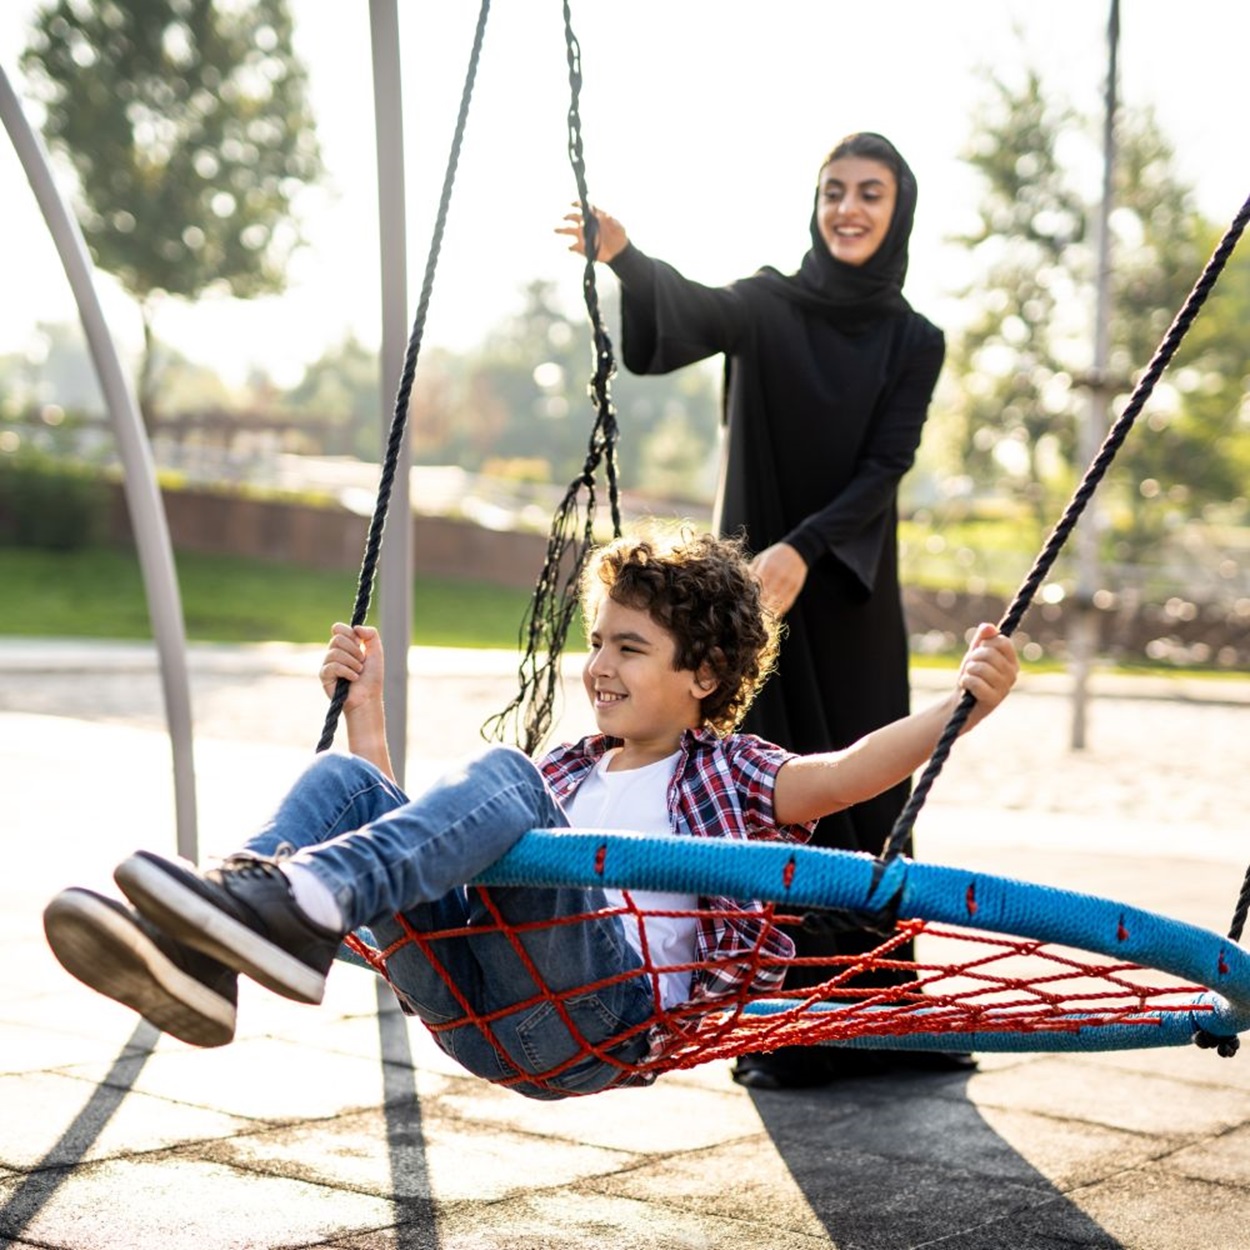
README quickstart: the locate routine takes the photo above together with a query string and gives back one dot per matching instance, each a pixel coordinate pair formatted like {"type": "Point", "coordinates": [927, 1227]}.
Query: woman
{"type": "Point", "coordinates": [828, 378]}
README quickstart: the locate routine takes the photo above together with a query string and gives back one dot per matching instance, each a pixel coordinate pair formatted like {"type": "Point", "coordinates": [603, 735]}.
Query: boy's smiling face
{"type": "Point", "coordinates": [636, 693]}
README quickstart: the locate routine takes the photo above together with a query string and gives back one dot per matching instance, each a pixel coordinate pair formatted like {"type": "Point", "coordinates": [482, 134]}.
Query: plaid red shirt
{"type": "Point", "coordinates": [721, 788]}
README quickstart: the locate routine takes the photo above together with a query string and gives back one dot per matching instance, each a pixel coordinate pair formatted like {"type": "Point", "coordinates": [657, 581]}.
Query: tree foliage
{"type": "Point", "coordinates": [188, 127]}
{"type": "Point", "coordinates": [520, 404]}
{"type": "Point", "coordinates": [1010, 354]}
{"type": "Point", "coordinates": [1024, 358]}
{"type": "Point", "coordinates": [342, 387]}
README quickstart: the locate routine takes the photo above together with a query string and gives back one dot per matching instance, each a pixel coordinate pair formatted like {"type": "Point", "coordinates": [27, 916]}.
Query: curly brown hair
{"type": "Point", "coordinates": [700, 589]}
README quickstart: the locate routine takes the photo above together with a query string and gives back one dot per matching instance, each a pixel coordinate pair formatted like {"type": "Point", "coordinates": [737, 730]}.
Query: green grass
{"type": "Point", "coordinates": [98, 593]}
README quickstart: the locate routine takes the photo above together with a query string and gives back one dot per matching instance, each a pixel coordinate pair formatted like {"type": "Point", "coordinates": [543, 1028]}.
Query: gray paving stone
{"type": "Point", "coordinates": [927, 1119]}
{"type": "Point", "coordinates": [587, 1221]}
{"type": "Point", "coordinates": [425, 1154]}
{"type": "Point", "coordinates": [657, 1120]}
{"type": "Point", "coordinates": [1223, 1160]}
{"type": "Point", "coordinates": [52, 1121]}
{"type": "Point", "coordinates": [1153, 1209]}
{"type": "Point", "coordinates": [337, 1126]}
{"type": "Point", "coordinates": [1070, 1088]}
{"type": "Point", "coordinates": [261, 1078]}
{"type": "Point", "coordinates": [167, 1201]}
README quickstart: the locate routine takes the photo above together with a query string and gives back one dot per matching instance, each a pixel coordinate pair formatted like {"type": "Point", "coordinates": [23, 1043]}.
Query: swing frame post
{"type": "Point", "coordinates": [143, 496]}
{"type": "Point", "coordinates": [396, 556]}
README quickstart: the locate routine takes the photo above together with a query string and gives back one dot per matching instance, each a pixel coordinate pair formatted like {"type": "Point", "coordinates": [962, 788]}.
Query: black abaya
{"type": "Point", "coordinates": [822, 421]}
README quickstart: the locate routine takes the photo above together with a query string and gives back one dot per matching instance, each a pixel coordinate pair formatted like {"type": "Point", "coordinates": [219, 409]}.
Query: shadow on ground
{"type": "Point", "coordinates": [903, 1161]}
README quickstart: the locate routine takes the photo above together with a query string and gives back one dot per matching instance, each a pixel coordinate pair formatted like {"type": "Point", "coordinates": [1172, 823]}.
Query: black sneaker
{"type": "Point", "coordinates": [809, 1067]}
{"type": "Point", "coordinates": [787, 1067]}
{"type": "Point", "coordinates": [118, 953]}
{"type": "Point", "coordinates": [241, 913]}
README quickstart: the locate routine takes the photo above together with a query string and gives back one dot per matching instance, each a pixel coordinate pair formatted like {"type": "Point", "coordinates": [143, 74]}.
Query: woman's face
{"type": "Point", "coordinates": [854, 204]}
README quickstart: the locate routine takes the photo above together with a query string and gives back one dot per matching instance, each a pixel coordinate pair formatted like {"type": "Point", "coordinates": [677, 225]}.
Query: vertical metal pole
{"type": "Point", "coordinates": [143, 498]}
{"type": "Point", "coordinates": [395, 560]}
{"type": "Point", "coordinates": [1085, 624]}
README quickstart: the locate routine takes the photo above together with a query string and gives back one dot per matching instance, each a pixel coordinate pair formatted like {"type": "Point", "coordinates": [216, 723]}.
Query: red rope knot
{"type": "Point", "coordinates": [970, 898]}
{"type": "Point", "coordinates": [601, 858]}
{"type": "Point", "coordinates": [1121, 933]}
{"type": "Point", "coordinates": [787, 875]}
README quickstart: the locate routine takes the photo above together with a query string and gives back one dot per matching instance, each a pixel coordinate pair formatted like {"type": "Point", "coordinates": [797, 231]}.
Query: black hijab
{"type": "Point", "coordinates": [854, 296]}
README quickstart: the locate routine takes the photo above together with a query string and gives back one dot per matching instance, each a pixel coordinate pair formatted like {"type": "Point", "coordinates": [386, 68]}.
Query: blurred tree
{"type": "Point", "coordinates": [1022, 359]}
{"type": "Point", "coordinates": [341, 388]}
{"type": "Point", "coordinates": [1015, 404]}
{"type": "Point", "coordinates": [518, 406]}
{"type": "Point", "coordinates": [188, 387]}
{"type": "Point", "coordinates": [59, 369]}
{"type": "Point", "coordinates": [188, 126]}
{"type": "Point", "coordinates": [1192, 449]}
{"type": "Point", "coordinates": [526, 397]}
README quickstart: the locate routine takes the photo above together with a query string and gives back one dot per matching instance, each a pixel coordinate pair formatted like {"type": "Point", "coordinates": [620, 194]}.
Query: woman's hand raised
{"type": "Point", "coordinates": [612, 236]}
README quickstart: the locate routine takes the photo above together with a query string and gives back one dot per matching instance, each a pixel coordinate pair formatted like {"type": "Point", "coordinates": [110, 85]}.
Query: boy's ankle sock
{"type": "Point", "coordinates": [312, 896]}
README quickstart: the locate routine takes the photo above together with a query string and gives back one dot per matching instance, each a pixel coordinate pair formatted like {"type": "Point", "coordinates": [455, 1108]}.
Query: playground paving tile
{"type": "Point", "coordinates": [343, 1126]}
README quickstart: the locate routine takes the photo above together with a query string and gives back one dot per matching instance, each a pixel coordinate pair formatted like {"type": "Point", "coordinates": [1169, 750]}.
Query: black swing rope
{"type": "Point", "coordinates": [399, 419]}
{"type": "Point", "coordinates": [551, 610]}
{"type": "Point", "coordinates": [1067, 522]}
{"type": "Point", "coordinates": [549, 614]}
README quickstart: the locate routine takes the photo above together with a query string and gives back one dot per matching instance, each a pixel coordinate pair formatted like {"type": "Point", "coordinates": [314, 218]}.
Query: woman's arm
{"type": "Point", "coordinates": [887, 455]}
{"type": "Point", "coordinates": [667, 320]}
{"type": "Point", "coordinates": [812, 786]}
{"type": "Point", "coordinates": [356, 655]}
{"type": "Point", "coordinates": [852, 524]}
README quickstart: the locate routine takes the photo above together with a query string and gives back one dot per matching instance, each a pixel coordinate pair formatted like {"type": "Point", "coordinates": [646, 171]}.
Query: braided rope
{"type": "Point", "coordinates": [1067, 522]}
{"type": "Point", "coordinates": [399, 419]}
{"type": "Point", "coordinates": [549, 614]}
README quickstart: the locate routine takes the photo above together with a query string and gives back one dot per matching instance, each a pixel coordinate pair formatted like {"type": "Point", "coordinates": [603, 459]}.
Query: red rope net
{"type": "Point", "coordinates": [959, 982]}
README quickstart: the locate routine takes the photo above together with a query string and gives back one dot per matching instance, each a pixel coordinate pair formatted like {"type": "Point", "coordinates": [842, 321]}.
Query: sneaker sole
{"type": "Point", "coordinates": [108, 954]}
{"type": "Point", "coordinates": [192, 919]}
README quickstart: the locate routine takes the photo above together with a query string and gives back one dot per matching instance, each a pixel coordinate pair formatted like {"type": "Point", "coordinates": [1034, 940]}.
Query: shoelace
{"type": "Point", "coordinates": [254, 867]}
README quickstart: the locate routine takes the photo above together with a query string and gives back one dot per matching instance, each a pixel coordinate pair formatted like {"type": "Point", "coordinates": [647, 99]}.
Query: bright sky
{"type": "Point", "coordinates": [704, 122]}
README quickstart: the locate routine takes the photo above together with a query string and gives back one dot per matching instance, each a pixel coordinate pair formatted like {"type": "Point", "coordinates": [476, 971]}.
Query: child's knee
{"type": "Point", "coordinates": [510, 763]}
{"type": "Point", "coordinates": [347, 770]}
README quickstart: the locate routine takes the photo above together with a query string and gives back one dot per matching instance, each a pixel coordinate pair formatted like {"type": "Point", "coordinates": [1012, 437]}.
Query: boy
{"type": "Point", "coordinates": [679, 643]}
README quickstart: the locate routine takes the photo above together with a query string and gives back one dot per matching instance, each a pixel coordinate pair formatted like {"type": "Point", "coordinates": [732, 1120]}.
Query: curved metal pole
{"type": "Point", "coordinates": [143, 499]}
{"type": "Point", "coordinates": [396, 560]}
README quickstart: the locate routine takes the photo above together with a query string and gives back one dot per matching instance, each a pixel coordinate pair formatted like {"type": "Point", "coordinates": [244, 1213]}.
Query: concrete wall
{"type": "Point", "coordinates": [333, 538]}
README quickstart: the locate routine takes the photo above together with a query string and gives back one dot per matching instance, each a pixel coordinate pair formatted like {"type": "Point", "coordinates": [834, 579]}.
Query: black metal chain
{"type": "Point", "coordinates": [1102, 461]}
{"type": "Point", "coordinates": [399, 419]}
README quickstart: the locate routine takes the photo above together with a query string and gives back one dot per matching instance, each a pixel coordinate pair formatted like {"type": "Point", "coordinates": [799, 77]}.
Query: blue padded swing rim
{"type": "Point", "coordinates": [803, 876]}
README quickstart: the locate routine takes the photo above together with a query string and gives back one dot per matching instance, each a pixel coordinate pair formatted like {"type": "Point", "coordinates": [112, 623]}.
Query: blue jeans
{"type": "Point", "coordinates": [381, 853]}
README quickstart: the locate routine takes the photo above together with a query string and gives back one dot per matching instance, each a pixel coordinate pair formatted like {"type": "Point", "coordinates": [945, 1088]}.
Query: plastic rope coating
{"type": "Point", "coordinates": [802, 877]}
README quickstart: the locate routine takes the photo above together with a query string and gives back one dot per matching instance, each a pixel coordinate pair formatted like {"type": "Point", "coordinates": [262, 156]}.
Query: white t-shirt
{"type": "Point", "coordinates": [636, 800]}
